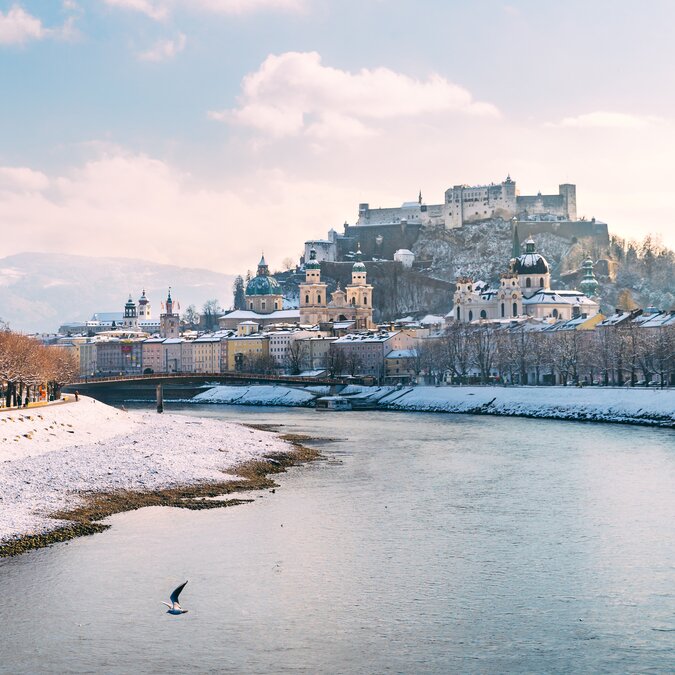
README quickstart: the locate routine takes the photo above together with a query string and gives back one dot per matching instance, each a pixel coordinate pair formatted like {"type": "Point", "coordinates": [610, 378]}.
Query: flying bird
{"type": "Point", "coordinates": [174, 607]}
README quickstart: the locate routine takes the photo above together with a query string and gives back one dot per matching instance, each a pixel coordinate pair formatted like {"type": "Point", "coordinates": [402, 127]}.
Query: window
{"type": "Point", "coordinates": [515, 309]}
{"type": "Point", "coordinates": [554, 313]}
{"type": "Point", "coordinates": [470, 315]}
{"type": "Point", "coordinates": [503, 310]}
{"type": "Point", "coordinates": [318, 299]}
{"type": "Point", "coordinates": [458, 314]}
{"type": "Point", "coordinates": [365, 300]}
{"type": "Point", "coordinates": [307, 299]}
{"type": "Point", "coordinates": [541, 282]}
{"type": "Point", "coordinates": [528, 282]}
{"type": "Point", "coordinates": [483, 314]}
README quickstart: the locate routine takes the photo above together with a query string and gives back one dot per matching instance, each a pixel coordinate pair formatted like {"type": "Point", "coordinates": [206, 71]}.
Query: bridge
{"type": "Point", "coordinates": [187, 385]}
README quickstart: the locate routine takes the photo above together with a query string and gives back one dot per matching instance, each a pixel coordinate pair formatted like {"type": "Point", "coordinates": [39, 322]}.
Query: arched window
{"type": "Point", "coordinates": [458, 313]}
{"type": "Point", "coordinates": [307, 298]}
{"type": "Point", "coordinates": [470, 315]}
{"type": "Point", "coordinates": [365, 300]}
{"type": "Point", "coordinates": [251, 305]}
{"type": "Point", "coordinates": [262, 305]}
{"type": "Point", "coordinates": [541, 282]}
{"type": "Point", "coordinates": [528, 282]}
{"type": "Point", "coordinates": [554, 313]}
{"type": "Point", "coordinates": [318, 299]}
{"type": "Point", "coordinates": [353, 301]}
{"type": "Point", "coordinates": [483, 314]}
{"type": "Point", "coordinates": [276, 305]}
{"type": "Point", "coordinates": [503, 308]}
{"type": "Point", "coordinates": [515, 309]}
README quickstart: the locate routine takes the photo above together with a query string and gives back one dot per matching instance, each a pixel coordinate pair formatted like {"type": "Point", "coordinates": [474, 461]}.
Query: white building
{"type": "Point", "coordinates": [524, 290]}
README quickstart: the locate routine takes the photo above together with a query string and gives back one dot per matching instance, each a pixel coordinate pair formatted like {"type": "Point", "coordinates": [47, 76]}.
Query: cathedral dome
{"type": "Point", "coordinates": [263, 285]}
{"type": "Point", "coordinates": [530, 262]}
{"type": "Point", "coordinates": [358, 267]}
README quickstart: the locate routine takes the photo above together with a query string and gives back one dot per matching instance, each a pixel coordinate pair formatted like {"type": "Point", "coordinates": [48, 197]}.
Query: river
{"type": "Point", "coordinates": [422, 543]}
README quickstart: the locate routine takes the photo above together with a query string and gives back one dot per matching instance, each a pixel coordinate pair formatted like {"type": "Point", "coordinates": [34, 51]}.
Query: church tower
{"type": "Point", "coordinates": [144, 309]}
{"type": "Point", "coordinates": [313, 293]}
{"type": "Point", "coordinates": [168, 321]}
{"type": "Point", "coordinates": [360, 295]}
{"type": "Point", "coordinates": [130, 317]}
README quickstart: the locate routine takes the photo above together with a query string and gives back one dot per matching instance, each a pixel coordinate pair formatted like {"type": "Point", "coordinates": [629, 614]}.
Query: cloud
{"type": "Point", "coordinates": [18, 27]}
{"type": "Point", "coordinates": [164, 49]}
{"type": "Point", "coordinates": [155, 10]}
{"type": "Point", "coordinates": [606, 120]}
{"type": "Point", "coordinates": [22, 179]}
{"type": "Point", "coordinates": [295, 94]}
{"type": "Point", "coordinates": [133, 205]}
{"type": "Point", "coordinates": [160, 9]}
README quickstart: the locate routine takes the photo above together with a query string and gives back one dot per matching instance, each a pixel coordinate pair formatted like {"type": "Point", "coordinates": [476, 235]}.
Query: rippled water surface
{"type": "Point", "coordinates": [422, 543]}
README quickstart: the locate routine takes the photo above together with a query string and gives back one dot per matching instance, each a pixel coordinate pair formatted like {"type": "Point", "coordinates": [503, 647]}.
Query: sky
{"type": "Point", "coordinates": [202, 132]}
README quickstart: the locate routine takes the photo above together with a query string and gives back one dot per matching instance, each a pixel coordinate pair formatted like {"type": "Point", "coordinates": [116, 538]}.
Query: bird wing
{"type": "Point", "coordinates": [176, 593]}
{"type": "Point", "coordinates": [167, 604]}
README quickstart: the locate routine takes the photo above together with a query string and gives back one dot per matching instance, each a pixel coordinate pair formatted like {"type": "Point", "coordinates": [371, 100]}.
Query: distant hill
{"type": "Point", "coordinates": [40, 291]}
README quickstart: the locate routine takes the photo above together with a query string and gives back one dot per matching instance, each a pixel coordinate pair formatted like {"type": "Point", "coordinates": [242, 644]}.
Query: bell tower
{"type": "Point", "coordinates": [313, 293]}
{"type": "Point", "coordinates": [360, 295]}
{"type": "Point", "coordinates": [168, 321]}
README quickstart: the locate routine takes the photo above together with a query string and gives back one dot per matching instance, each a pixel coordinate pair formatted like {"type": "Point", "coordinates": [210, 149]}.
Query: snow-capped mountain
{"type": "Point", "coordinates": [41, 291]}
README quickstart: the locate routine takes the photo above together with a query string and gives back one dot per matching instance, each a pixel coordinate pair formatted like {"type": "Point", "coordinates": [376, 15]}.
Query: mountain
{"type": "Point", "coordinates": [41, 291]}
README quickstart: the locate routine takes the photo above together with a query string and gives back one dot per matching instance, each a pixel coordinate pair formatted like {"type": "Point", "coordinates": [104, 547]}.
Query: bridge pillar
{"type": "Point", "coordinates": [160, 399]}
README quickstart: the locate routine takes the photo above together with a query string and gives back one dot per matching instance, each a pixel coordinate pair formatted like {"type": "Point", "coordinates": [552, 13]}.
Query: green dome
{"type": "Point", "coordinates": [263, 285]}
{"type": "Point", "coordinates": [358, 267]}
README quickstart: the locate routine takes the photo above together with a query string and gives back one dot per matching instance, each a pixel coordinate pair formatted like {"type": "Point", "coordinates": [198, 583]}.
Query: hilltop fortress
{"type": "Point", "coordinates": [470, 203]}
{"type": "Point", "coordinates": [381, 232]}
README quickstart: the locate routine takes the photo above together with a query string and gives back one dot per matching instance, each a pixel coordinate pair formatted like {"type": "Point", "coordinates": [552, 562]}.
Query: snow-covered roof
{"type": "Point", "coordinates": [558, 298]}
{"type": "Point", "coordinates": [432, 320]}
{"type": "Point", "coordinates": [382, 336]}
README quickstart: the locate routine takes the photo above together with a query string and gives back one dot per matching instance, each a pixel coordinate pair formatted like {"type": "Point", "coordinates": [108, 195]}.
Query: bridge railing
{"type": "Point", "coordinates": [239, 376]}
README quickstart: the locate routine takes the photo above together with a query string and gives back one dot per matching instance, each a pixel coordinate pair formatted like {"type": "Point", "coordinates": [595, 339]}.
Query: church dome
{"type": "Point", "coordinates": [530, 262]}
{"type": "Point", "coordinates": [358, 267]}
{"type": "Point", "coordinates": [130, 304]}
{"type": "Point", "coordinates": [263, 285]}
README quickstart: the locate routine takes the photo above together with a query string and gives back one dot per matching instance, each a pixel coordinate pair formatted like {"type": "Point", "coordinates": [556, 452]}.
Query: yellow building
{"type": "Point", "coordinates": [247, 350]}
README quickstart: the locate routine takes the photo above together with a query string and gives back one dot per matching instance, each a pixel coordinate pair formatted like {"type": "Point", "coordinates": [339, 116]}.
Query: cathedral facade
{"type": "Point", "coordinates": [354, 303]}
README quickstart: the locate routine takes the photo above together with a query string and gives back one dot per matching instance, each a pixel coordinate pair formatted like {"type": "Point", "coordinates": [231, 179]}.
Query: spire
{"type": "Point", "coordinates": [358, 256]}
{"type": "Point", "coordinates": [263, 270]}
{"type": "Point", "coordinates": [515, 250]}
{"type": "Point", "coordinates": [419, 199]}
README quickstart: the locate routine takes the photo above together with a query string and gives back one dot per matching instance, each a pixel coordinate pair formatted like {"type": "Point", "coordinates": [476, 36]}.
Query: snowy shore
{"type": "Point", "coordinates": [653, 407]}
{"type": "Point", "coordinates": [50, 457]}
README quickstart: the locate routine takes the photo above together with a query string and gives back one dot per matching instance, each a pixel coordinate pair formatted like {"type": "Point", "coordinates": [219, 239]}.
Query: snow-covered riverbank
{"type": "Point", "coordinates": [633, 406]}
{"type": "Point", "coordinates": [51, 456]}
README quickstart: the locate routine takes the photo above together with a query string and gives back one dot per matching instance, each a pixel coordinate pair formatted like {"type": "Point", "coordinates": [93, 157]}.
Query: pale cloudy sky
{"type": "Point", "coordinates": [199, 132]}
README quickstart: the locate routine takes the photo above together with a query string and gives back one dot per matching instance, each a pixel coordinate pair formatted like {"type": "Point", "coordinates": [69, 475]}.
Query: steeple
{"type": "Point", "coordinates": [169, 303]}
{"type": "Point", "coordinates": [589, 284]}
{"type": "Point", "coordinates": [263, 269]}
{"type": "Point", "coordinates": [515, 250]}
{"type": "Point", "coordinates": [419, 199]}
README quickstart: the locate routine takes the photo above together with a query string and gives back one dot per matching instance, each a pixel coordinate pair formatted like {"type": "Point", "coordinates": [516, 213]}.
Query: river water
{"type": "Point", "coordinates": [422, 543]}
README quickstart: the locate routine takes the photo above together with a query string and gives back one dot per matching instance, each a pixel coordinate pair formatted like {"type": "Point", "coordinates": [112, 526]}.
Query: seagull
{"type": "Point", "coordinates": [174, 607]}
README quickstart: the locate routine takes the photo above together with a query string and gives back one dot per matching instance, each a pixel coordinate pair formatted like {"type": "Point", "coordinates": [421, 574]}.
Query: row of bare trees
{"type": "Point", "coordinates": [30, 371]}
{"type": "Point", "coordinates": [622, 355]}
